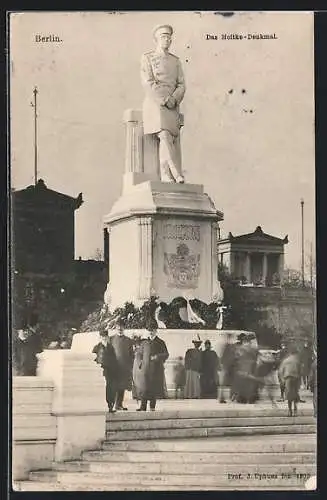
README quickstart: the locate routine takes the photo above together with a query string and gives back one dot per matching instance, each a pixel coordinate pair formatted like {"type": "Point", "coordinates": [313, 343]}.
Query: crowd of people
{"type": "Point", "coordinates": [243, 372]}
{"type": "Point", "coordinates": [240, 374]}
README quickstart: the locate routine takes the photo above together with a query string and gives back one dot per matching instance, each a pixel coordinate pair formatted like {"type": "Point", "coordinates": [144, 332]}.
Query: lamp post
{"type": "Point", "coordinates": [34, 105]}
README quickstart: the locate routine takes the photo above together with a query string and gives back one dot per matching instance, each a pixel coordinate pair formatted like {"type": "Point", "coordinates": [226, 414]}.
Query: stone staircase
{"type": "Point", "coordinates": [243, 447]}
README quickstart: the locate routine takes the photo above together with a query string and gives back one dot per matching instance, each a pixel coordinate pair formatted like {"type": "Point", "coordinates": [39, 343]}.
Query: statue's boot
{"type": "Point", "coordinates": [168, 157]}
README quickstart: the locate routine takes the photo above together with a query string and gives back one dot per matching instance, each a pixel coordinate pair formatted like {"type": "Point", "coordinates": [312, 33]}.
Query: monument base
{"type": "Point", "coordinates": [163, 242]}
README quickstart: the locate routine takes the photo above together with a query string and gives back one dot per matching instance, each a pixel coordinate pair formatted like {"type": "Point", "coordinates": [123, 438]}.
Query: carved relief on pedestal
{"type": "Point", "coordinates": [182, 268]}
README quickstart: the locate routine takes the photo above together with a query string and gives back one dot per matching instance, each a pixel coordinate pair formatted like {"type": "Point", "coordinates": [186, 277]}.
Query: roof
{"type": "Point", "coordinates": [257, 237]}
{"type": "Point", "coordinates": [40, 194]}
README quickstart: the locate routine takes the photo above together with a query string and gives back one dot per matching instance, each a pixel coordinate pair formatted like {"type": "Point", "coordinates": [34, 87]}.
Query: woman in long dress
{"type": "Point", "coordinates": [193, 365]}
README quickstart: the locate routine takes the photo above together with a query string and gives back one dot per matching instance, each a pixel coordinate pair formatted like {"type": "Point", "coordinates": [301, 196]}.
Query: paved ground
{"type": "Point", "coordinates": [213, 404]}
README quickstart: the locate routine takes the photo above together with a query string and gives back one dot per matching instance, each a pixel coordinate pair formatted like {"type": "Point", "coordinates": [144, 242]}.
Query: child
{"type": "Point", "coordinates": [179, 377]}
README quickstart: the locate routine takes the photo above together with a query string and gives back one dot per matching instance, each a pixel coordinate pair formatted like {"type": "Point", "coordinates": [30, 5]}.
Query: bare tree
{"type": "Point", "coordinates": [98, 254]}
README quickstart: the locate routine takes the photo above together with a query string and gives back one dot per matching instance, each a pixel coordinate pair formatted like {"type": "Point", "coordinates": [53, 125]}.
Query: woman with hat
{"type": "Point", "coordinates": [193, 365]}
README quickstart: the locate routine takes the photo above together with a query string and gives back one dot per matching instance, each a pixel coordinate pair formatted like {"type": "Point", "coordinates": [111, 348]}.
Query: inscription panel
{"type": "Point", "coordinates": [182, 232]}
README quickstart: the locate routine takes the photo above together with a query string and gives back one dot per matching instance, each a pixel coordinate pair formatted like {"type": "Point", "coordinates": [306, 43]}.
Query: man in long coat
{"type": "Point", "coordinates": [227, 365]}
{"type": "Point", "coordinates": [123, 347]}
{"type": "Point", "coordinates": [106, 358]}
{"type": "Point", "coordinates": [209, 372]}
{"type": "Point", "coordinates": [245, 384]}
{"type": "Point", "coordinates": [163, 81]}
{"type": "Point", "coordinates": [26, 345]}
{"type": "Point", "coordinates": [149, 373]}
{"type": "Point", "coordinates": [290, 373]}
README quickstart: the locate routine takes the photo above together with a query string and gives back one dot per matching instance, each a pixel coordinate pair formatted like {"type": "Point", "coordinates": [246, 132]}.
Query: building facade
{"type": "Point", "coordinates": [43, 229]}
{"type": "Point", "coordinates": [253, 259]}
{"type": "Point", "coordinates": [50, 287]}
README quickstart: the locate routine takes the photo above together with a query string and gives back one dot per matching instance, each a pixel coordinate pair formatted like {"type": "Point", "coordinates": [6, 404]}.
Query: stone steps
{"type": "Point", "coordinates": [49, 486]}
{"type": "Point", "coordinates": [195, 423]}
{"type": "Point", "coordinates": [127, 435]}
{"type": "Point", "coordinates": [296, 478]}
{"type": "Point", "coordinates": [221, 411]}
{"type": "Point", "coordinates": [287, 443]}
{"type": "Point", "coordinates": [252, 448]}
{"type": "Point", "coordinates": [173, 468]}
{"type": "Point", "coordinates": [198, 457]}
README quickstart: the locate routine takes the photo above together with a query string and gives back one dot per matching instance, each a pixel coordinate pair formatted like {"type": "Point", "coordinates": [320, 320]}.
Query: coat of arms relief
{"type": "Point", "coordinates": [182, 268]}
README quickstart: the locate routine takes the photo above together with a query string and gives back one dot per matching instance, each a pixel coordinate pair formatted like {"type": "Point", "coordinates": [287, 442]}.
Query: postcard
{"type": "Point", "coordinates": [162, 178]}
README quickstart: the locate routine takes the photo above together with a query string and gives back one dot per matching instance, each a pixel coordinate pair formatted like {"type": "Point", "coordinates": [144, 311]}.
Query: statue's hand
{"type": "Point", "coordinates": [171, 103]}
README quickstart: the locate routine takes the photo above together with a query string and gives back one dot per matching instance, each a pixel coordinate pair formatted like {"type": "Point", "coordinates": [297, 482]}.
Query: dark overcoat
{"type": "Point", "coordinates": [25, 355]}
{"type": "Point", "coordinates": [123, 347]}
{"type": "Point", "coordinates": [106, 358]}
{"type": "Point", "coordinates": [149, 375]}
{"type": "Point", "coordinates": [193, 360]}
{"type": "Point", "coordinates": [228, 364]}
{"type": "Point", "coordinates": [209, 372]}
{"type": "Point", "coordinates": [245, 384]}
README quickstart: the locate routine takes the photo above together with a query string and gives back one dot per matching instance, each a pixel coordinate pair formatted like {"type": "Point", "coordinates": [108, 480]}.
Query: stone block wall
{"type": "Point", "coordinates": [34, 427]}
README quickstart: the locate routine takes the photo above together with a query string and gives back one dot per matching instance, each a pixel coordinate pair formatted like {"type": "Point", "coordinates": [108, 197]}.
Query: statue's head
{"type": "Point", "coordinates": [162, 35]}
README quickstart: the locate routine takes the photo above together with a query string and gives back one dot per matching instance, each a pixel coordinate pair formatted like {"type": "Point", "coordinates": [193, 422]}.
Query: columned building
{"type": "Point", "coordinates": [255, 259]}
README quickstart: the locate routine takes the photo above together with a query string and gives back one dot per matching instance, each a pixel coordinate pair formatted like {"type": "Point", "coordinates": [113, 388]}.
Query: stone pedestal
{"type": "Point", "coordinates": [163, 236]}
{"type": "Point", "coordinates": [79, 400]}
{"type": "Point", "coordinates": [163, 241]}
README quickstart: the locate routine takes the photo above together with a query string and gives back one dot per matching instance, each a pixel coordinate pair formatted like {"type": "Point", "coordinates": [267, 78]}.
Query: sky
{"type": "Point", "coordinates": [249, 113]}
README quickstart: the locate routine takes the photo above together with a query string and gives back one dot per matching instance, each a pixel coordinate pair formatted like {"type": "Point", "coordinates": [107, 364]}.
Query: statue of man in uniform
{"type": "Point", "coordinates": [163, 81]}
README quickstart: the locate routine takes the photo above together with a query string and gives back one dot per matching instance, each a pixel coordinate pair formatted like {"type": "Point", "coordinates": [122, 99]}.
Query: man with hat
{"type": "Point", "coordinates": [209, 372]}
{"type": "Point", "coordinates": [149, 374]}
{"type": "Point", "coordinates": [123, 347]}
{"type": "Point", "coordinates": [26, 345]}
{"type": "Point", "coordinates": [193, 365]}
{"type": "Point", "coordinates": [163, 80]}
{"type": "Point", "coordinates": [106, 358]}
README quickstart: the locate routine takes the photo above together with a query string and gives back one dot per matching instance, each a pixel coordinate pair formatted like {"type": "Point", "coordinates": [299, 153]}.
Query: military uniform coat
{"type": "Point", "coordinates": [162, 77]}
{"type": "Point", "coordinates": [123, 347]}
{"type": "Point", "coordinates": [149, 375]}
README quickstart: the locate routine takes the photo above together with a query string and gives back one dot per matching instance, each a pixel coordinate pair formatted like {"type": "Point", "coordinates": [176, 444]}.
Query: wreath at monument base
{"type": "Point", "coordinates": [178, 314]}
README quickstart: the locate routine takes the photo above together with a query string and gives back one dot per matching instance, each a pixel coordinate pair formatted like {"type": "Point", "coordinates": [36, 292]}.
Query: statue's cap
{"type": "Point", "coordinates": [163, 28]}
